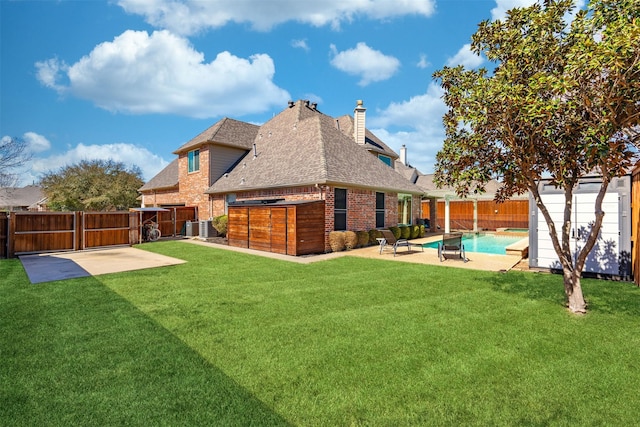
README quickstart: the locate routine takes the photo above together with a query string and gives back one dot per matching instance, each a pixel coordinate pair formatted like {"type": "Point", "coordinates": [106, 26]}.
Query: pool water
{"type": "Point", "coordinates": [484, 243]}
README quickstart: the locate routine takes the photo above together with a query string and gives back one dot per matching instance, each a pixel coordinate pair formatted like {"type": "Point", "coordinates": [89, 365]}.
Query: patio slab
{"type": "Point", "coordinates": [68, 265]}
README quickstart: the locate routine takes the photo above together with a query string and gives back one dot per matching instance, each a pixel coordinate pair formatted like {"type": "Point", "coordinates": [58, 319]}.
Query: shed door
{"type": "Point", "coordinates": [604, 257]}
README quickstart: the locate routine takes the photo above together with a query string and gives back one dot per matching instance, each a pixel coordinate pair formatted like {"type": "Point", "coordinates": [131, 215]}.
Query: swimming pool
{"type": "Point", "coordinates": [484, 243]}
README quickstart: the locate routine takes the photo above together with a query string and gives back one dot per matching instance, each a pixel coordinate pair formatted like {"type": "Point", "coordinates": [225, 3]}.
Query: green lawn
{"type": "Point", "coordinates": [235, 339]}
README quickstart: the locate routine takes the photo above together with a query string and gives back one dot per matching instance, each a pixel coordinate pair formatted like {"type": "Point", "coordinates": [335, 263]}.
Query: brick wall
{"type": "Point", "coordinates": [193, 185]}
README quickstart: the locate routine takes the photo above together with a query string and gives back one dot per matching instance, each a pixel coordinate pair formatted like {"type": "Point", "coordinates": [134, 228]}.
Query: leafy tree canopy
{"type": "Point", "coordinates": [93, 185]}
{"type": "Point", "coordinates": [563, 101]}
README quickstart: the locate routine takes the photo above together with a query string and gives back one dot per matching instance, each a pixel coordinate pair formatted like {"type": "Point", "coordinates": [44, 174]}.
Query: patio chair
{"type": "Point", "coordinates": [451, 245]}
{"type": "Point", "coordinates": [388, 239]}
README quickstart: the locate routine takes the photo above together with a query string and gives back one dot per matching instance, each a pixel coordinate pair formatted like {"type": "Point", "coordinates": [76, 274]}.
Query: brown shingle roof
{"type": "Point", "coordinates": [166, 178]}
{"type": "Point", "coordinates": [372, 142]}
{"type": "Point", "coordinates": [20, 197]}
{"type": "Point", "coordinates": [302, 146]}
{"type": "Point", "coordinates": [227, 131]}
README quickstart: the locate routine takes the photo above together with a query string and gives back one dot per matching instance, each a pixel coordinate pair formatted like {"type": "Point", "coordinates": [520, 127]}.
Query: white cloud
{"type": "Point", "coordinates": [371, 65]}
{"type": "Point", "coordinates": [140, 73]}
{"type": "Point", "coordinates": [466, 58]}
{"type": "Point", "coordinates": [37, 143]}
{"type": "Point", "coordinates": [423, 63]}
{"type": "Point", "coordinates": [192, 16]}
{"type": "Point", "coordinates": [502, 6]}
{"type": "Point", "coordinates": [416, 123]}
{"type": "Point", "coordinates": [130, 155]}
{"type": "Point", "coordinates": [301, 44]}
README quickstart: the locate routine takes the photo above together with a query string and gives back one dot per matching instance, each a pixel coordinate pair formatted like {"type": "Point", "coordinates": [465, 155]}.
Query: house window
{"type": "Point", "coordinates": [385, 159]}
{"type": "Point", "coordinates": [404, 209]}
{"type": "Point", "coordinates": [379, 210]}
{"type": "Point", "coordinates": [340, 209]}
{"type": "Point", "coordinates": [194, 161]}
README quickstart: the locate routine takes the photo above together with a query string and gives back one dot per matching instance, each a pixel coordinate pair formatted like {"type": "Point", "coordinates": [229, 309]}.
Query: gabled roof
{"type": "Point", "coordinates": [409, 172]}
{"type": "Point", "coordinates": [371, 142]}
{"type": "Point", "coordinates": [425, 181]}
{"type": "Point", "coordinates": [302, 146]}
{"type": "Point", "coordinates": [23, 197]}
{"type": "Point", "coordinates": [227, 131]}
{"type": "Point", "coordinates": [165, 179]}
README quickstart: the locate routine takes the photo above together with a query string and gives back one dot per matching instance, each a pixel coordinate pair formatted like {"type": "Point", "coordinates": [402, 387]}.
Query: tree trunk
{"type": "Point", "coordinates": [573, 290]}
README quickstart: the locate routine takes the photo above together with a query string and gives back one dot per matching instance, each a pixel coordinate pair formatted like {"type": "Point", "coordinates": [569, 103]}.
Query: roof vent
{"type": "Point", "coordinates": [291, 104]}
{"type": "Point", "coordinates": [314, 106]}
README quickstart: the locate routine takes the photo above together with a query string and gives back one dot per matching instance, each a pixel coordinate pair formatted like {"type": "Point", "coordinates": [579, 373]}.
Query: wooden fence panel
{"type": "Point", "coordinates": [183, 214]}
{"type": "Point", "coordinates": [105, 229]}
{"type": "Point", "coordinates": [4, 234]}
{"type": "Point", "coordinates": [31, 232]}
{"type": "Point", "coordinates": [491, 215]}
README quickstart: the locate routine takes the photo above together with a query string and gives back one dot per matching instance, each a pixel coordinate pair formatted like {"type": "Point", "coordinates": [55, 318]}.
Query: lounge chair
{"type": "Point", "coordinates": [388, 239]}
{"type": "Point", "coordinates": [451, 245]}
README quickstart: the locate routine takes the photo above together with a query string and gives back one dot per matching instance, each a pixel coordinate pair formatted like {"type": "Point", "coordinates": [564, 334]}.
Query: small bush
{"type": "Point", "coordinates": [422, 230]}
{"type": "Point", "coordinates": [363, 239]}
{"type": "Point", "coordinates": [220, 224]}
{"type": "Point", "coordinates": [373, 235]}
{"type": "Point", "coordinates": [336, 241]}
{"type": "Point", "coordinates": [396, 231]}
{"type": "Point", "coordinates": [415, 231]}
{"type": "Point", "coordinates": [350, 240]}
{"type": "Point", "coordinates": [405, 232]}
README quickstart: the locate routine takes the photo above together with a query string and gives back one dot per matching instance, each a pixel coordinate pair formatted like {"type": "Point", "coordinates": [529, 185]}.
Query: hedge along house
{"type": "Point", "coordinates": [299, 155]}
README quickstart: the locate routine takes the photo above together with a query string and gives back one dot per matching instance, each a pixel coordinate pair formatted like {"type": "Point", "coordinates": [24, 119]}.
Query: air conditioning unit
{"type": "Point", "coordinates": [192, 228]}
{"type": "Point", "coordinates": [207, 230]}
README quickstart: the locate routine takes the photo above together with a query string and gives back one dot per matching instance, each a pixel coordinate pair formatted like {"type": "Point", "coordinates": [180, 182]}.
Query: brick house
{"type": "Point", "coordinates": [300, 154]}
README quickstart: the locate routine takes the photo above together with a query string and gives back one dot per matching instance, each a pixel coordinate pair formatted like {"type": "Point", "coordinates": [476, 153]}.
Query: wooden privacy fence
{"type": "Point", "coordinates": [490, 215]}
{"type": "Point", "coordinates": [38, 232]}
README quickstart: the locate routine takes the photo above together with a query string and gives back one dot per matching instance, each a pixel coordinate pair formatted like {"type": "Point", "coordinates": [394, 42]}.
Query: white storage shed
{"type": "Point", "coordinates": [611, 255]}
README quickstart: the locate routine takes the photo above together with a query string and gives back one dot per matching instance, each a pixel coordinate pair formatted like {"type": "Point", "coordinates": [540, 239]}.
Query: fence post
{"type": "Point", "coordinates": [11, 247]}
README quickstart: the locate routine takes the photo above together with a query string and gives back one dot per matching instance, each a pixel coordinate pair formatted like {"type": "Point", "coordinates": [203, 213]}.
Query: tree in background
{"type": "Point", "coordinates": [14, 153]}
{"type": "Point", "coordinates": [93, 185]}
{"type": "Point", "coordinates": [562, 102]}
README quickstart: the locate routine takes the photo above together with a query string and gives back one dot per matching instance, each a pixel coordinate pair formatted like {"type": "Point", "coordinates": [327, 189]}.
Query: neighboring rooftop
{"type": "Point", "coordinates": [21, 198]}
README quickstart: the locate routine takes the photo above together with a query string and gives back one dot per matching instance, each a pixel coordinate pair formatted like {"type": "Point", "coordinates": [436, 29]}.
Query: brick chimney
{"type": "Point", "coordinates": [358, 122]}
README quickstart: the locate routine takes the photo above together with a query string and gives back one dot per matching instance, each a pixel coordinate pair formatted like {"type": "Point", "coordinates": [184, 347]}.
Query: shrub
{"type": "Point", "coordinates": [336, 241]}
{"type": "Point", "coordinates": [415, 231]}
{"type": "Point", "coordinates": [422, 231]}
{"type": "Point", "coordinates": [405, 232]}
{"type": "Point", "coordinates": [396, 231]}
{"type": "Point", "coordinates": [220, 224]}
{"type": "Point", "coordinates": [363, 238]}
{"type": "Point", "coordinates": [350, 240]}
{"type": "Point", "coordinates": [373, 235]}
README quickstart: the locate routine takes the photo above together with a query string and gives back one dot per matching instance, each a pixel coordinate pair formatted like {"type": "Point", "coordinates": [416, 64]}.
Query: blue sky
{"type": "Point", "coordinates": [132, 80]}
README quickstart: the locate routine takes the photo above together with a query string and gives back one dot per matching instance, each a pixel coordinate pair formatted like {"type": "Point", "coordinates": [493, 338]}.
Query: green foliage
{"type": "Point", "coordinates": [220, 224]}
{"type": "Point", "coordinates": [415, 231]}
{"type": "Point", "coordinates": [421, 234]}
{"type": "Point", "coordinates": [93, 185]}
{"type": "Point", "coordinates": [337, 241]}
{"type": "Point", "coordinates": [395, 230]}
{"type": "Point", "coordinates": [363, 238]}
{"type": "Point", "coordinates": [373, 235]}
{"type": "Point", "coordinates": [350, 240]}
{"type": "Point", "coordinates": [405, 232]}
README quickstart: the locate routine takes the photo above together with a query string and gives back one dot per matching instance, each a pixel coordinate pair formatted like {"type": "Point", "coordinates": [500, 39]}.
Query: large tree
{"type": "Point", "coordinates": [563, 101]}
{"type": "Point", "coordinates": [14, 153]}
{"type": "Point", "coordinates": [92, 185]}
